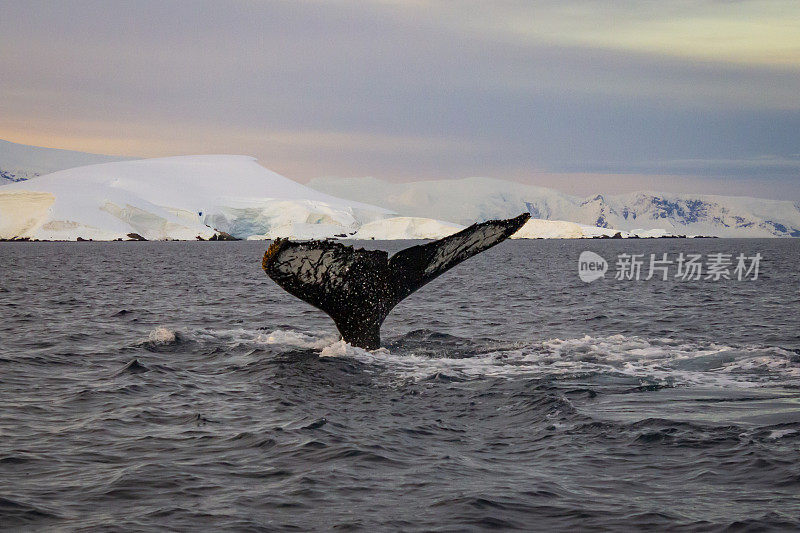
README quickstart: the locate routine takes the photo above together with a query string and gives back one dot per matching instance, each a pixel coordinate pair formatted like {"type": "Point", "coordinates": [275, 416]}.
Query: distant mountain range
{"type": "Point", "coordinates": [475, 199]}
{"type": "Point", "coordinates": [196, 184]}
{"type": "Point", "coordinates": [19, 162]}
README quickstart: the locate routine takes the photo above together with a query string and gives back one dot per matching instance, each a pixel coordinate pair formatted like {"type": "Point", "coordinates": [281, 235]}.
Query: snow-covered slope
{"type": "Point", "coordinates": [560, 229]}
{"type": "Point", "coordinates": [405, 228]}
{"type": "Point", "coordinates": [538, 228]}
{"type": "Point", "coordinates": [476, 199]}
{"type": "Point", "coordinates": [20, 161]}
{"type": "Point", "coordinates": [174, 198]}
{"type": "Point", "coordinates": [428, 228]}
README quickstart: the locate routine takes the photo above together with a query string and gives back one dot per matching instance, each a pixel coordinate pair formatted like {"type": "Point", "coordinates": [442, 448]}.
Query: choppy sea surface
{"type": "Point", "coordinates": [158, 385]}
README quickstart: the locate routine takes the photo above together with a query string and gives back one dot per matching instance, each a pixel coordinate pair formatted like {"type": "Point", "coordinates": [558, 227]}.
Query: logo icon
{"type": "Point", "coordinates": [591, 267]}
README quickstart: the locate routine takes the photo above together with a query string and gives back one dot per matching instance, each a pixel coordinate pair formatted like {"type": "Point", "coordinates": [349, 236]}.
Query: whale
{"type": "Point", "coordinates": [358, 288]}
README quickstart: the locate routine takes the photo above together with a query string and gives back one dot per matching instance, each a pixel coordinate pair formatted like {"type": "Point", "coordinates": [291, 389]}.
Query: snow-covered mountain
{"type": "Point", "coordinates": [19, 162]}
{"type": "Point", "coordinates": [476, 199]}
{"type": "Point", "coordinates": [188, 197]}
{"type": "Point", "coordinates": [174, 198]}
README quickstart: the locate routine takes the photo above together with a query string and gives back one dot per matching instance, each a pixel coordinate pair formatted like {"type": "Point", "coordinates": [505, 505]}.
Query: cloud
{"type": "Point", "coordinates": [762, 32]}
{"type": "Point", "coordinates": [404, 89]}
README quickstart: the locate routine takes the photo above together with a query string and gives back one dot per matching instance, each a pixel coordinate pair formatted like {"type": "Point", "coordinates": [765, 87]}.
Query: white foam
{"type": "Point", "coordinates": [241, 337]}
{"type": "Point", "coordinates": [648, 360]}
{"type": "Point", "coordinates": [297, 339]}
{"type": "Point", "coordinates": [162, 335]}
{"type": "Point", "coordinates": [341, 348]}
{"type": "Point", "coordinates": [780, 433]}
{"type": "Point", "coordinates": [662, 361]}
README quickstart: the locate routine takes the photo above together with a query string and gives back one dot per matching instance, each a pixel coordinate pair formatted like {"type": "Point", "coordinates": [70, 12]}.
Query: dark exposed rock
{"type": "Point", "coordinates": [222, 236]}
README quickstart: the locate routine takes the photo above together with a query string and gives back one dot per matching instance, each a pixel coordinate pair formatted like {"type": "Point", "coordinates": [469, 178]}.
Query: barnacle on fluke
{"type": "Point", "coordinates": [271, 250]}
{"type": "Point", "coordinates": [358, 288]}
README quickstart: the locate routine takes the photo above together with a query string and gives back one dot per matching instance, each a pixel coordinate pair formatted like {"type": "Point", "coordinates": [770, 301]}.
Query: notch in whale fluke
{"type": "Point", "coordinates": [358, 288]}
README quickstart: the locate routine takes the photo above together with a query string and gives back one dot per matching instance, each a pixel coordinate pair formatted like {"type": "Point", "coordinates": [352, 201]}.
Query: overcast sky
{"type": "Point", "coordinates": [585, 96]}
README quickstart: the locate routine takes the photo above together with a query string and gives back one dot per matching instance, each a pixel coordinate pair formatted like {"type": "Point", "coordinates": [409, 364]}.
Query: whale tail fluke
{"type": "Point", "coordinates": [358, 288]}
{"type": "Point", "coordinates": [414, 267]}
{"type": "Point", "coordinates": [350, 285]}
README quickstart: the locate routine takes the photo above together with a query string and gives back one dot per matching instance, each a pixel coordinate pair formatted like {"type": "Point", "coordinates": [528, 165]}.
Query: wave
{"type": "Point", "coordinates": [234, 338]}
{"type": "Point", "coordinates": [18, 514]}
{"type": "Point", "coordinates": [654, 362]}
{"type": "Point", "coordinates": [426, 355]}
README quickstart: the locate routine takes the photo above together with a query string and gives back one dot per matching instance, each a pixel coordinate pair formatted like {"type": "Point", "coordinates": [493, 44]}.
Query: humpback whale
{"type": "Point", "coordinates": [358, 288]}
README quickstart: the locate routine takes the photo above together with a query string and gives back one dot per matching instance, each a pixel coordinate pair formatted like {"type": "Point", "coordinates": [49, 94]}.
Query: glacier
{"type": "Point", "coordinates": [183, 197]}
{"type": "Point", "coordinates": [644, 213]}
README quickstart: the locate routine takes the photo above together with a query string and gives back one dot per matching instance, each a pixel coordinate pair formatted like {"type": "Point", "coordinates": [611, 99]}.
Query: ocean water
{"type": "Point", "coordinates": [157, 385]}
